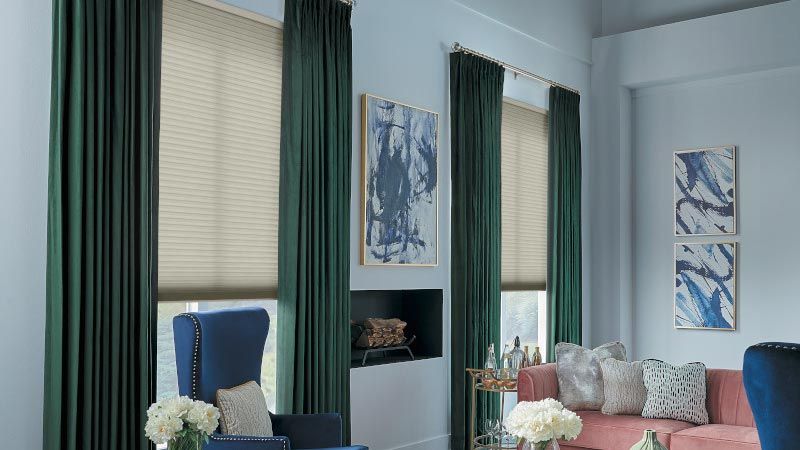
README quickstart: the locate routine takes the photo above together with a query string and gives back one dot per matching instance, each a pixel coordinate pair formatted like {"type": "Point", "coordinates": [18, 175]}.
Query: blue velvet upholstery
{"type": "Point", "coordinates": [770, 379]}
{"type": "Point", "coordinates": [222, 349]}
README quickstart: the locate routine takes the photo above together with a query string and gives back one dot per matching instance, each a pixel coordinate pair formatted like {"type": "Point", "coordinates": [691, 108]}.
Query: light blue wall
{"type": "Point", "coordinates": [727, 79]}
{"type": "Point", "coordinates": [24, 125]}
{"type": "Point", "coordinates": [759, 113]}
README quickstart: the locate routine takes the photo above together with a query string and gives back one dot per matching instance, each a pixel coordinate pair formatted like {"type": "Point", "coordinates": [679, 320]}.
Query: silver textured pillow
{"type": "Point", "coordinates": [580, 378]}
{"type": "Point", "coordinates": [675, 392]}
{"type": "Point", "coordinates": [243, 411]}
{"type": "Point", "coordinates": [623, 387]}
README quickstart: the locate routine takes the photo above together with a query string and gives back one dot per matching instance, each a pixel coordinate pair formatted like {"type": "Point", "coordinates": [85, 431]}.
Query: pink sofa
{"type": "Point", "coordinates": [731, 428]}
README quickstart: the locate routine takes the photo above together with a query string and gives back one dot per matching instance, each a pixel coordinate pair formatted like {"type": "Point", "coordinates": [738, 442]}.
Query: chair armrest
{"type": "Point", "coordinates": [537, 383]}
{"type": "Point", "coordinates": [232, 442]}
{"type": "Point", "coordinates": [309, 430]}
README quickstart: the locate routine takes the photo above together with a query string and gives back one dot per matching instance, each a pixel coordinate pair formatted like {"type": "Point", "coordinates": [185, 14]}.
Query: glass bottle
{"type": "Point", "coordinates": [517, 356]}
{"type": "Point", "coordinates": [505, 372]}
{"type": "Point", "coordinates": [526, 361]}
{"type": "Point", "coordinates": [491, 361]}
{"type": "Point", "coordinates": [537, 356]}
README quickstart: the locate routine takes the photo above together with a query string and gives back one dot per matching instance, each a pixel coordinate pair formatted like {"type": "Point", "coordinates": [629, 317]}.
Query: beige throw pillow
{"type": "Point", "coordinates": [623, 387]}
{"type": "Point", "coordinates": [580, 378]}
{"type": "Point", "coordinates": [243, 411]}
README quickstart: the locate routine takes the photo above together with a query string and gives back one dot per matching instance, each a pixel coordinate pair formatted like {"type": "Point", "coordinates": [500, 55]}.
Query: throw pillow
{"type": "Point", "coordinates": [675, 392]}
{"type": "Point", "coordinates": [623, 387]}
{"type": "Point", "coordinates": [580, 378]}
{"type": "Point", "coordinates": [243, 411]}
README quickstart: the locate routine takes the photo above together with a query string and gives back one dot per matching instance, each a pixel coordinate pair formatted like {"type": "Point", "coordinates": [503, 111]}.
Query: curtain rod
{"type": "Point", "coordinates": [349, 2]}
{"type": "Point", "coordinates": [514, 69]}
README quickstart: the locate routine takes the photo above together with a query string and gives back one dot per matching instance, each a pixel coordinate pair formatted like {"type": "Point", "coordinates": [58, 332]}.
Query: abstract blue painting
{"type": "Point", "coordinates": [400, 183]}
{"type": "Point", "coordinates": [705, 191]}
{"type": "Point", "coordinates": [705, 285]}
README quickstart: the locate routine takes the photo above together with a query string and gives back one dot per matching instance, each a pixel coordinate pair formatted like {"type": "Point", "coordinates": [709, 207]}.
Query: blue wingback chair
{"type": "Point", "coordinates": [222, 349]}
{"type": "Point", "coordinates": [770, 380]}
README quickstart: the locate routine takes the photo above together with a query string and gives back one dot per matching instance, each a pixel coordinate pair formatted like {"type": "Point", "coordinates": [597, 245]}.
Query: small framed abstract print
{"type": "Point", "coordinates": [705, 285]}
{"type": "Point", "coordinates": [400, 186]}
{"type": "Point", "coordinates": [705, 191]}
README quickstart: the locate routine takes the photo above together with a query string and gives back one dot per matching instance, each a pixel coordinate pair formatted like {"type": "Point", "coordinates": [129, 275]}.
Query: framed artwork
{"type": "Point", "coordinates": [400, 153]}
{"type": "Point", "coordinates": [705, 285]}
{"type": "Point", "coordinates": [705, 191]}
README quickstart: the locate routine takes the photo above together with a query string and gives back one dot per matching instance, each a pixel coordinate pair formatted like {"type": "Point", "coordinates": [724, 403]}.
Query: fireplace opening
{"type": "Point", "coordinates": [395, 326]}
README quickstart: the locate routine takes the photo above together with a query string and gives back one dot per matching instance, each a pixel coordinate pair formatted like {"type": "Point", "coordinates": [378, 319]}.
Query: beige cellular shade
{"type": "Point", "coordinates": [219, 154]}
{"type": "Point", "coordinates": [523, 168]}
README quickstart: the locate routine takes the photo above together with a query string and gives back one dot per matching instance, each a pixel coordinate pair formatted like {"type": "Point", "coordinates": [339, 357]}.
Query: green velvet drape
{"type": "Point", "coordinates": [476, 100]}
{"type": "Point", "coordinates": [314, 230]}
{"type": "Point", "coordinates": [100, 232]}
{"type": "Point", "coordinates": [564, 278]}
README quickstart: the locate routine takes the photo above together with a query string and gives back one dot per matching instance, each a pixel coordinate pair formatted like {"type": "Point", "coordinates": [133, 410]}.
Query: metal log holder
{"type": "Point", "coordinates": [383, 350]}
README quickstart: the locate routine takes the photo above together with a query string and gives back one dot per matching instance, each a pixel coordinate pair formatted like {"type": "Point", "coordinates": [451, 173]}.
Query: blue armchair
{"type": "Point", "coordinates": [221, 349]}
{"type": "Point", "coordinates": [770, 380]}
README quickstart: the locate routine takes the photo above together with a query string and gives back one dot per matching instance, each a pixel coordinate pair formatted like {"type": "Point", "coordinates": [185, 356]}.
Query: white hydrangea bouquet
{"type": "Point", "coordinates": [540, 424]}
{"type": "Point", "coordinates": [181, 423]}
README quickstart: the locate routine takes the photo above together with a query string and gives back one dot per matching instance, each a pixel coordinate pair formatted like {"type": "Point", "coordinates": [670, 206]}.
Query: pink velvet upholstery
{"type": "Point", "coordinates": [537, 383]}
{"type": "Point", "coordinates": [714, 436]}
{"type": "Point", "coordinates": [726, 400]}
{"type": "Point", "coordinates": [621, 432]}
{"type": "Point", "coordinates": [732, 426]}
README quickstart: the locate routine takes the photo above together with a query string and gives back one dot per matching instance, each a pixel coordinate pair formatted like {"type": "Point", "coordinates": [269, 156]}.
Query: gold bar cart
{"type": "Point", "coordinates": [485, 380]}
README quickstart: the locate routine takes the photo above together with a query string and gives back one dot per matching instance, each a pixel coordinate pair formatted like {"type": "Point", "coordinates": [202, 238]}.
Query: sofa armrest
{"type": "Point", "coordinates": [309, 430]}
{"type": "Point", "coordinates": [232, 442]}
{"type": "Point", "coordinates": [537, 383]}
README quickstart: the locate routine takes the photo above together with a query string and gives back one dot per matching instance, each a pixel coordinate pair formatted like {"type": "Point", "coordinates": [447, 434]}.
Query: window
{"type": "Point", "coordinates": [523, 166]}
{"type": "Point", "coordinates": [522, 313]}
{"type": "Point", "coordinates": [218, 169]}
{"type": "Point", "coordinates": [167, 379]}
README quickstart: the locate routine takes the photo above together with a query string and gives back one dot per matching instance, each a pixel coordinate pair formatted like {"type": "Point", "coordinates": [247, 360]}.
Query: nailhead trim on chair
{"type": "Point", "coordinates": [195, 352]}
{"type": "Point", "coordinates": [793, 348]}
{"type": "Point", "coordinates": [255, 439]}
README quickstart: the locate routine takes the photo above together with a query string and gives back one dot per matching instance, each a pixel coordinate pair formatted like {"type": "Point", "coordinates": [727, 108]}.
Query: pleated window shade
{"type": "Point", "coordinates": [523, 169]}
{"type": "Point", "coordinates": [219, 154]}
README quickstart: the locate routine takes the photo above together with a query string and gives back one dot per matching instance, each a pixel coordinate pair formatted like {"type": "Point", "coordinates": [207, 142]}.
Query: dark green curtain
{"type": "Point", "coordinates": [564, 278]}
{"type": "Point", "coordinates": [100, 228]}
{"type": "Point", "coordinates": [314, 230]}
{"type": "Point", "coordinates": [476, 104]}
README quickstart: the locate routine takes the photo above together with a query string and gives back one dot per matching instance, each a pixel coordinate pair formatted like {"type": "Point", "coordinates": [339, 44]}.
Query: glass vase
{"type": "Point", "coordinates": [549, 445]}
{"type": "Point", "coordinates": [184, 444]}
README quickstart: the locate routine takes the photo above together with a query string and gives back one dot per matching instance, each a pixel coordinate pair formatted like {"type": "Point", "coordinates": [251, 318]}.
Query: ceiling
{"type": "Point", "coordinates": [570, 25]}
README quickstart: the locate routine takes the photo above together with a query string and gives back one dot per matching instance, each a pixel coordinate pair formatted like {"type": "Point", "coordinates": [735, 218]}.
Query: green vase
{"type": "Point", "coordinates": [648, 442]}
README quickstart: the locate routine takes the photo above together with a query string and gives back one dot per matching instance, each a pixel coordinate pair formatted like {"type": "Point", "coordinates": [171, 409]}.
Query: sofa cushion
{"type": "Point", "coordinates": [580, 378]}
{"type": "Point", "coordinates": [716, 437]}
{"type": "Point", "coordinates": [243, 411]}
{"type": "Point", "coordinates": [621, 432]}
{"type": "Point", "coordinates": [675, 392]}
{"type": "Point", "coordinates": [623, 387]}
